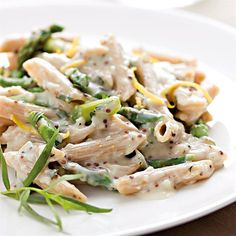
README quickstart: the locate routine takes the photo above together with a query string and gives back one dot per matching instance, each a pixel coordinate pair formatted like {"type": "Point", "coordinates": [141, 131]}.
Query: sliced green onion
{"type": "Point", "coordinates": [42, 124]}
{"type": "Point", "coordinates": [104, 107]}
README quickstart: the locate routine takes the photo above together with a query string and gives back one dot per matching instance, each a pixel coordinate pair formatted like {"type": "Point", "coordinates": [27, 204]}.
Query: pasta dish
{"type": "Point", "coordinates": [74, 114]}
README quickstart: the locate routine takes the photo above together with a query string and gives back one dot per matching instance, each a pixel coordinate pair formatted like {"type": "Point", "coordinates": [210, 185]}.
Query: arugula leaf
{"type": "Point", "coordinates": [5, 177]}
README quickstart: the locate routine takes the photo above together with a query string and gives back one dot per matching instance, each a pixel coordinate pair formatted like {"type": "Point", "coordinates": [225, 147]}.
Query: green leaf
{"type": "Point", "coordinates": [36, 198]}
{"type": "Point", "coordinates": [42, 160]}
{"type": "Point", "coordinates": [73, 204]}
{"type": "Point", "coordinates": [58, 219]}
{"type": "Point", "coordinates": [37, 216]}
{"type": "Point", "coordinates": [23, 198]}
{"type": "Point", "coordinates": [5, 177]}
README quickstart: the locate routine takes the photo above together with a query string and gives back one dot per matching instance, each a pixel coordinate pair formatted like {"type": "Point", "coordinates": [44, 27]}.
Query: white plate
{"type": "Point", "coordinates": [214, 44]}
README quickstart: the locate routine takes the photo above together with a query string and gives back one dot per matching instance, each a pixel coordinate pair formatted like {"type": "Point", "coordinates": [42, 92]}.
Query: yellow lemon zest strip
{"type": "Point", "coordinates": [72, 51]}
{"type": "Point", "coordinates": [170, 90]}
{"type": "Point", "coordinates": [139, 103]}
{"type": "Point", "coordinates": [73, 64]}
{"type": "Point", "coordinates": [145, 92]}
{"type": "Point", "coordinates": [22, 125]}
{"type": "Point", "coordinates": [65, 135]}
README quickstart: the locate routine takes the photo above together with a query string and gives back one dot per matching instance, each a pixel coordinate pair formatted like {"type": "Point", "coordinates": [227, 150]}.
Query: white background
{"type": "Point", "coordinates": [222, 10]}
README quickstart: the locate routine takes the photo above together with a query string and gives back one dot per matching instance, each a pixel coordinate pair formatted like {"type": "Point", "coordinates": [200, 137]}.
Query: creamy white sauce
{"type": "Point", "coordinates": [163, 191]}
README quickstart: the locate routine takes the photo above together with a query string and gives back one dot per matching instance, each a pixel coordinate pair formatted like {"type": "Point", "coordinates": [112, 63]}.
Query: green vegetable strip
{"type": "Point", "coordinates": [66, 202]}
{"type": "Point", "coordinates": [36, 90]}
{"type": "Point", "coordinates": [199, 130]}
{"type": "Point", "coordinates": [57, 218]}
{"type": "Point", "coordinates": [17, 74]}
{"type": "Point", "coordinates": [24, 82]}
{"type": "Point", "coordinates": [42, 124]}
{"type": "Point", "coordinates": [168, 162]}
{"type": "Point", "coordinates": [4, 170]}
{"type": "Point", "coordinates": [79, 80]}
{"type": "Point", "coordinates": [107, 107]}
{"type": "Point", "coordinates": [23, 198]}
{"type": "Point", "coordinates": [54, 45]}
{"type": "Point", "coordinates": [42, 160]}
{"type": "Point", "coordinates": [94, 178]}
{"type": "Point", "coordinates": [139, 117]}
{"type": "Point", "coordinates": [36, 43]}
{"type": "Point", "coordinates": [82, 82]}
{"type": "Point", "coordinates": [37, 216]}
{"type": "Point", "coordinates": [72, 204]}
{"type": "Point", "coordinates": [36, 199]}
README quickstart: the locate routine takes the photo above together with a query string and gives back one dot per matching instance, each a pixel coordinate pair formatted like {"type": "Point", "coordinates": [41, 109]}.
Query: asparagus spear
{"type": "Point", "coordinates": [168, 162]}
{"type": "Point", "coordinates": [36, 43]}
{"type": "Point", "coordinates": [199, 130]}
{"type": "Point", "coordinates": [24, 82]}
{"type": "Point", "coordinates": [102, 107]}
{"type": "Point", "coordinates": [139, 117]}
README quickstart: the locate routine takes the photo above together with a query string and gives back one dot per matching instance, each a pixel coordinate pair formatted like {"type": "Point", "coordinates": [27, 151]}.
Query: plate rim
{"type": "Point", "coordinates": [193, 215]}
